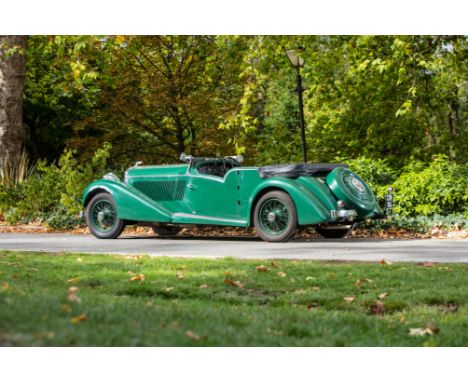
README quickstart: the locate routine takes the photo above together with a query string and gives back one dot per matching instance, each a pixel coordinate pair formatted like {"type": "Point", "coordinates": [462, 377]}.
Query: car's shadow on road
{"type": "Point", "coordinates": [189, 238]}
{"type": "Point", "coordinates": [255, 239]}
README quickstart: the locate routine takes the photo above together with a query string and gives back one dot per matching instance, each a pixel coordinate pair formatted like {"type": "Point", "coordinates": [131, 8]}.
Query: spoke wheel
{"type": "Point", "coordinates": [102, 218]}
{"type": "Point", "coordinates": [275, 216]}
{"type": "Point", "coordinates": [104, 215]}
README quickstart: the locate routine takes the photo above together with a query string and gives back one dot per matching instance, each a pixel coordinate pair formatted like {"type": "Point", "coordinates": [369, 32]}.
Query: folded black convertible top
{"type": "Point", "coordinates": [294, 171]}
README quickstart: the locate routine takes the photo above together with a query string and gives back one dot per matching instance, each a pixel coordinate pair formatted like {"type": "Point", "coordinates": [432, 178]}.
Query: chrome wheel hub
{"type": "Point", "coordinates": [271, 217]}
{"type": "Point", "coordinates": [100, 216]}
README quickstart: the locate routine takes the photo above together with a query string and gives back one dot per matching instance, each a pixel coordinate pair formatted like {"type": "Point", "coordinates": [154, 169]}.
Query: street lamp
{"type": "Point", "coordinates": [297, 61]}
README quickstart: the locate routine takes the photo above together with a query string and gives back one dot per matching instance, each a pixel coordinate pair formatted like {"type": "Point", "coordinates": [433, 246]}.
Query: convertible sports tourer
{"type": "Point", "coordinates": [276, 200]}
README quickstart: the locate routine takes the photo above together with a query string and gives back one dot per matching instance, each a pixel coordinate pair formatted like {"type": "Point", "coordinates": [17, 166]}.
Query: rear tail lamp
{"type": "Point", "coordinates": [340, 204]}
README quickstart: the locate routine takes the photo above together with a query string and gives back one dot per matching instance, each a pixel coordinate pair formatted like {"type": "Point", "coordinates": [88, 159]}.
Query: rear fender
{"type": "Point", "coordinates": [310, 210]}
{"type": "Point", "coordinates": [131, 204]}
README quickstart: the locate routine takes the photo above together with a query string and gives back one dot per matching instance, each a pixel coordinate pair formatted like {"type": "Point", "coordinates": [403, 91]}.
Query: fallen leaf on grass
{"type": "Point", "coordinates": [309, 278]}
{"type": "Point", "coordinates": [349, 299]}
{"type": "Point", "coordinates": [262, 268]}
{"type": "Point", "coordinates": [134, 257]}
{"type": "Point", "coordinates": [168, 289]}
{"type": "Point", "coordinates": [428, 264]}
{"type": "Point", "coordinates": [194, 336]}
{"type": "Point", "coordinates": [360, 282]}
{"type": "Point", "coordinates": [382, 295]}
{"type": "Point", "coordinates": [416, 332]}
{"type": "Point", "coordinates": [237, 283]}
{"type": "Point", "coordinates": [227, 273]}
{"type": "Point", "coordinates": [203, 286]}
{"type": "Point", "coordinates": [73, 280]}
{"type": "Point", "coordinates": [179, 275]}
{"type": "Point", "coordinates": [139, 277]}
{"type": "Point", "coordinates": [377, 307]}
{"type": "Point", "coordinates": [281, 274]}
{"type": "Point", "coordinates": [312, 305]}
{"type": "Point", "coordinates": [385, 262]}
{"type": "Point", "coordinates": [80, 318]}
{"type": "Point", "coordinates": [299, 291]}
{"type": "Point", "coordinates": [274, 265]}
{"type": "Point", "coordinates": [5, 286]}
{"type": "Point", "coordinates": [72, 295]}
{"type": "Point", "coordinates": [430, 329]}
{"type": "Point", "coordinates": [332, 275]}
{"type": "Point", "coordinates": [79, 259]}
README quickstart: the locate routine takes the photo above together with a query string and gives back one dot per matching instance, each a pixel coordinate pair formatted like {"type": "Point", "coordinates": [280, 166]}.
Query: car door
{"type": "Point", "coordinates": [213, 196]}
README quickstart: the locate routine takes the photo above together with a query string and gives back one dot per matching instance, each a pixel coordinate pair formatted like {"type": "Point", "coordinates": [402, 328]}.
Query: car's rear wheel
{"type": "Point", "coordinates": [102, 218]}
{"type": "Point", "coordinates": [334, 232]}
{"type": "Point", "coordinates": [275, 217]}
{"type": "Point", "coordinates": [167, 230]}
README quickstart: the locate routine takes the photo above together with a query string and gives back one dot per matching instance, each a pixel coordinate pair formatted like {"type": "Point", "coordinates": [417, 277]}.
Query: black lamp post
{"type": "Point", "coordinates": [297, 61]}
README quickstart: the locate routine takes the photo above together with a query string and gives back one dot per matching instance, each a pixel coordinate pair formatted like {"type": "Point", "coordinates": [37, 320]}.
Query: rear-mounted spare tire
{"type": "Point", "coordinates": [352, 189]}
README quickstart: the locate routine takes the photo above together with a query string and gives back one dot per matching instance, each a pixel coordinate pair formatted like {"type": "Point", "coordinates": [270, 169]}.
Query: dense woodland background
{"type": "Point", "coordinates": [394, 107]}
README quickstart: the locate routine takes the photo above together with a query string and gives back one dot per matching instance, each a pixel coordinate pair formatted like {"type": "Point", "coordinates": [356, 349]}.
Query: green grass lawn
{"type": "Point", "coordinates": [197, 302]}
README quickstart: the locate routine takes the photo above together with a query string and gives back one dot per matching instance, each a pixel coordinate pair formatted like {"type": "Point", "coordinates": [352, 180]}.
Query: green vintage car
{"type": "Point", "coordinates": [276, 200]}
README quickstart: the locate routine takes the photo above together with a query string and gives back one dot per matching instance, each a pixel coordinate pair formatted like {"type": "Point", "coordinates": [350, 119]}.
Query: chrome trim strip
{"type": "Point", "coordinates": [343, 214]}
{"type": "Point", "coordinates": [184, 215]}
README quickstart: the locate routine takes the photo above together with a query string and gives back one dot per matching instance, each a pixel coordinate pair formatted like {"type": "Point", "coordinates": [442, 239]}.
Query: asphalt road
{"type": "Point", "coordinates": [415, 250]}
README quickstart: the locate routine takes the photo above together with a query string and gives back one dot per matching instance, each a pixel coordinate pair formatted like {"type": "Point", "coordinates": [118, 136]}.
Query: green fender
{"type": "Point", "coordinates": [310, 210]}
{"type": "Point", "coordinates": [131, 204]}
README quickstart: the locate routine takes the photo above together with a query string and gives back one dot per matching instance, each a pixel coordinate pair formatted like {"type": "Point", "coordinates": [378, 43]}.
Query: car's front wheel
{"type": "Point", "coordinates": [275, 217]}
{"type": "Point", "coordinates": [102, 219]}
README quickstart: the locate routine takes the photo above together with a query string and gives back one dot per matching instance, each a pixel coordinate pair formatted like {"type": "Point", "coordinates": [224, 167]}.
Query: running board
{"type": "Point", "coordinates": [182, 218]}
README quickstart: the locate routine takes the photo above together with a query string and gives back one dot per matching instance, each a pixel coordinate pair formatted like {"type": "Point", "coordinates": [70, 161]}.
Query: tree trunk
{"type": "Point", "coordinates": [12, 74]}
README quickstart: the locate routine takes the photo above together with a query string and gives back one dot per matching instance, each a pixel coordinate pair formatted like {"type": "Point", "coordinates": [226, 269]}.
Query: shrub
{"type": "Point", "coordinates": [419, 224]}
{"type": "Point", "coordinates": [13, 173]}
{"type": "Point", "coordinates": [437, 188]}
{"type": "Point", "coordinates": [52, 193]}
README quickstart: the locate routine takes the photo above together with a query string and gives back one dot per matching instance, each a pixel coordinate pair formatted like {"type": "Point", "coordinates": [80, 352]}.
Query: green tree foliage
{"type": "Point", "coordinates": [164, 95]}
{"type": "Point", "coordinates": [60, 89]}
{"type": "Point", "coordinates": [393, 97]}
